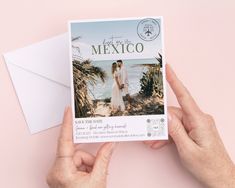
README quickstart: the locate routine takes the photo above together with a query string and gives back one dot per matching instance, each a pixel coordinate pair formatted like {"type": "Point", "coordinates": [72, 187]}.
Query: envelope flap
{"type": "Point", "coordinates": [49, 58]}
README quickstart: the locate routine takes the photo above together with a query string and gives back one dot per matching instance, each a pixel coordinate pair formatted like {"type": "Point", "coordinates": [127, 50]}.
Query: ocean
{"type": "Point", "coordinates": [103, 90]}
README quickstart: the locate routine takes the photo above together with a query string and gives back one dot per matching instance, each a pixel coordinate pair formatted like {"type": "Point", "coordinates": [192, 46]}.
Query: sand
{"type": "Point", "coordinates": [139, 106]}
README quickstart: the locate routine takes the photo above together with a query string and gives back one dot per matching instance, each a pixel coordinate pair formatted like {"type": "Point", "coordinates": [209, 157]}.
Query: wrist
{"type": "Point", "coordinates": [227, 179]}
{"type": "Point", "coordinates": [232, 184]}
{"type": "Point", "coordinates": [230, 179]}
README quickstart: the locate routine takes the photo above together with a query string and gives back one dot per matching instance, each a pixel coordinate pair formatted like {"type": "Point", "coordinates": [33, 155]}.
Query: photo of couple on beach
{"type": "Point", "coordinates": [117, 72]}
{"type": "Point", "coordinates": [118, 88]}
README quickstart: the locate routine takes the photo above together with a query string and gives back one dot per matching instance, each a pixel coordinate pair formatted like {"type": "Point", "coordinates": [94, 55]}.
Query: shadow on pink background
{"type": "Point", "coordinates": [199, 44]}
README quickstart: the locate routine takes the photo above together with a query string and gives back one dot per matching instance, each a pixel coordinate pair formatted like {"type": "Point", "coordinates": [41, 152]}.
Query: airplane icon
{"type": "Point", "coordinates": [148, 33]}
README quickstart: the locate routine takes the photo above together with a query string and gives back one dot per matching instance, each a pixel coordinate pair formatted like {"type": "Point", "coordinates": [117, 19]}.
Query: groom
{"type": "Point", "coordinates": [124, 80]}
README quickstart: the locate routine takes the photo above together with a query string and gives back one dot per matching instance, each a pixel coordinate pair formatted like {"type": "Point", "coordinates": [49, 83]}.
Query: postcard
{"type": "Point", "coordinates": [118, 86]}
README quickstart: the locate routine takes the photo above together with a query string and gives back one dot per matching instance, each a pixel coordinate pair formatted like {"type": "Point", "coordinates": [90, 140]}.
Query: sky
{"type": "Point", "coordinates": [94, 33]}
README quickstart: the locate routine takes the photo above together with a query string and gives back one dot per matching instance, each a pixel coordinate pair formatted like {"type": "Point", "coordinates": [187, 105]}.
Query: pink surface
{"type": "Point", "coordinates": [199, 41]}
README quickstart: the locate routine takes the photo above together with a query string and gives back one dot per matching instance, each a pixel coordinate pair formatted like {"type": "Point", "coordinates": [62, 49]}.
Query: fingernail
{"type": "Point", "coordinates": [113, 146]}
{"type": "Point", "coordinates": [155, 146]}
{"type": "Point", "coordinates": [66, 109]}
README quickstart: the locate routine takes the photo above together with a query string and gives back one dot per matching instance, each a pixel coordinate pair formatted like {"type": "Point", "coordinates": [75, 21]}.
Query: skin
{"type": "Point", "coordinates": [74, 168]}
{"type": "Point", "coordinates": [116, 78]}
{"type": "Point", "coordinates": [192, 131]}
{"type": "Point", "coordinates": [197, 140]}
{"type": "Point", "coordinates": [122, 86]}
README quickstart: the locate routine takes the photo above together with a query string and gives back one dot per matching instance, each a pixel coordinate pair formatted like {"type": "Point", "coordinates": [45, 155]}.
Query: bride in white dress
{"type": "Point", "coordinates": [117, 102]}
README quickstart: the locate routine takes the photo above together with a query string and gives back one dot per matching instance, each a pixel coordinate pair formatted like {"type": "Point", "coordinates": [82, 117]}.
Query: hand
{"type": "Point", "coordinates": [197, 140]}
{"type": "Point", "coordinates": [74, 168]}
{"type": "Point", "coordinates": [121, 86]}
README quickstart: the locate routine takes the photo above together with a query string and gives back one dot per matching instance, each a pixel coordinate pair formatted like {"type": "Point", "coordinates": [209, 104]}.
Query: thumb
{"type": "Point", "coordinates": [178, 132]}
{"type": "Point", "coordinates": [100, 169]}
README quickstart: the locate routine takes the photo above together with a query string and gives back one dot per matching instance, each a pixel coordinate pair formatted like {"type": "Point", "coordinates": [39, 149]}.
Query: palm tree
{"type": "Point", "coordinates": [85, 73]}
{"type": "Point", "coordinates": [151, 81]}
{"type": "Point", "coordinates": [159, 59]}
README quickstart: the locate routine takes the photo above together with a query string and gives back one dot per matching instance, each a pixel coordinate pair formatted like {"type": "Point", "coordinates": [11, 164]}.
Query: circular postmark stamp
{"type": "Point", "coordinates": [148, 29]}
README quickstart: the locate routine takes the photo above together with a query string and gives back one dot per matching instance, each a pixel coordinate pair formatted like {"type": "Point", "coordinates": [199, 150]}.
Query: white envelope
{"type": "Point", "coordinates": [40, 74]}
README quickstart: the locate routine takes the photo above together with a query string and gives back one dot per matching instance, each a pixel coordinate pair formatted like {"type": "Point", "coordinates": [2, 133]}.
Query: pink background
{"type": "Point", "coordinates": [199, 44]}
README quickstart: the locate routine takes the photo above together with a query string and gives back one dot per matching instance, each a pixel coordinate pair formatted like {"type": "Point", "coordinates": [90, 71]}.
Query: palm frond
{"type": "Point", "coordinates": [151, 81]}
{"type": "Point", "coordinates": [84, 73]}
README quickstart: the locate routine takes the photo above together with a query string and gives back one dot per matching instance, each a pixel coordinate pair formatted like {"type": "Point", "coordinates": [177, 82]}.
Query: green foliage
{"type": "Point", "coordinates": [84, 73]}
{"type": "Point", "coordinates": [151, 82]}
{"type": "Point", "coordinates": [146, 83]}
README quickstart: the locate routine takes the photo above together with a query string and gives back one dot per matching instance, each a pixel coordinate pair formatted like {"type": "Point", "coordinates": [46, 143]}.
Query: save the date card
{"type": "Point", "coordinates": [118, 80]}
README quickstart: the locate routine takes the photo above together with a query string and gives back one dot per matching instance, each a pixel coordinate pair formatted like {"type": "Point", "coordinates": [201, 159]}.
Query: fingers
{"type": "Point", "coordinates": [159, 144]}
{"type": "Point", "coordinates": [149, 142]}
{"type": "Point", "coordinates": [103, 157]}
{"type": "Point", "coordinates": [83, 161]}
{"type": "Point", "coordinates": [184, 98]}
{"type": "Point", "coordinates": [65, 141]}
{"type": "Point", "coordinates": [83, 158]}
{"type": "Point", "coordinates": [178, 133]}
{"type": "Point", "coordinates": [66, 129]}
{"type": "Point", "coordinates": [177, 111]}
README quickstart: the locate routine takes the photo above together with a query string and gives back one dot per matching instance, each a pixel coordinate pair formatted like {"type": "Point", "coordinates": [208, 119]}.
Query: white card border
{"type": "Point", "coordinates": [163, 70]}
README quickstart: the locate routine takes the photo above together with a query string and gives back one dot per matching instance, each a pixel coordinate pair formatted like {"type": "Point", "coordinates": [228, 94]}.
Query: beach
{"type": "Point", "coordinates": [135, 72]}
{"type": "Point", "coordinates": [140, 105]}
{"type": "Point", "coordinates": [143, 86]}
